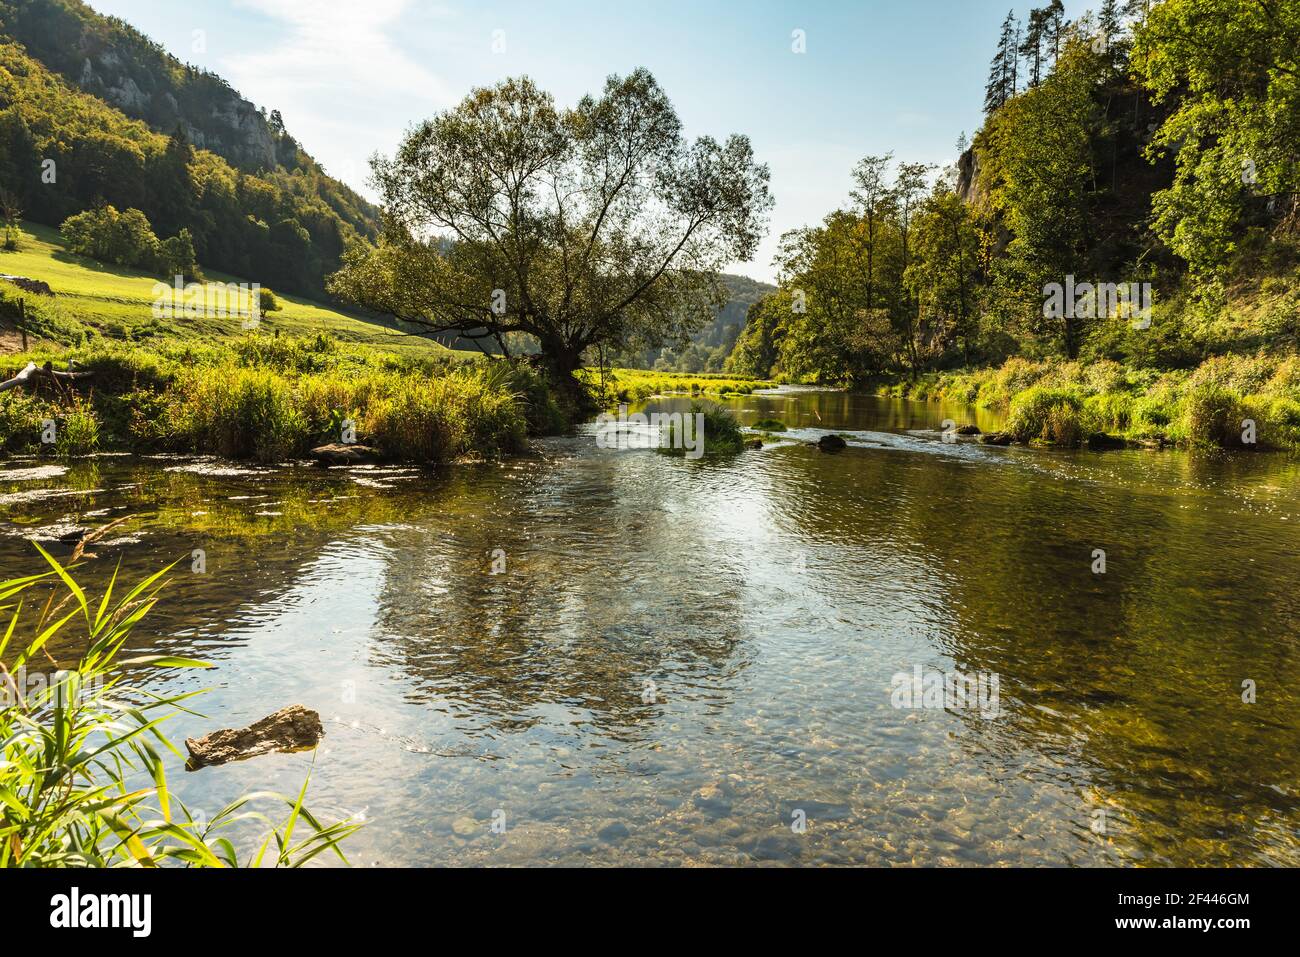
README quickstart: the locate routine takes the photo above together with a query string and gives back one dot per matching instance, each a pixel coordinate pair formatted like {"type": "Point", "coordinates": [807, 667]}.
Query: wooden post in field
{"type": "Point", "coordinates": [22, 321]}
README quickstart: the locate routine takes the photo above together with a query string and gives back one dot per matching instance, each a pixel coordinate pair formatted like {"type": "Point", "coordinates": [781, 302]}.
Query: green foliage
{"type": "Point", "coordinates": [770, 425]}
{"type": "Point", "coordinates": [560, 250]}
{"type": "Point", "coordinates": [127, 239]}
{"type": "Point", "coordinates": [1228, 69]}
{"type": "Point", "coordinates": [722, 433]}
{"type": "Point", "coordinates": [83, 773]}
{"type": "Point", "coordinates": [270, 398]}
{"type": "Point", "coordinates": [1048, 415]}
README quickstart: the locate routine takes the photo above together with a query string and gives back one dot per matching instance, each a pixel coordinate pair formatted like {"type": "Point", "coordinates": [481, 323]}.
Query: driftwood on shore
{"type": "Point", "coordinates": [34, 373]}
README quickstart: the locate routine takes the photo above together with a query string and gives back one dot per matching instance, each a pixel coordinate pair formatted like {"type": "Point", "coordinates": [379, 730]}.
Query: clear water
{"type": "Point", "coordinates": [684, 660]}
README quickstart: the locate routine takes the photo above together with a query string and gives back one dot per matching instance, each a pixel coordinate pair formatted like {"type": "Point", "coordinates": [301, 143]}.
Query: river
{"type": "Point", "coordinates": [593, 656]}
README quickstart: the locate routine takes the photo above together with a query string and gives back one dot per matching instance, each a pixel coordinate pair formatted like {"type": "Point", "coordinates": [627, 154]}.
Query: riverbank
{"type": "Point", "coordinates": [271, 398]}
{"type": "Point", "coordinates": [1230, 402]}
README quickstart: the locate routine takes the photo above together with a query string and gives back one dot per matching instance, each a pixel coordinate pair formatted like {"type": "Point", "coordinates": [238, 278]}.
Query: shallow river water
{"type": "Point", "coordinates": [696, 662]}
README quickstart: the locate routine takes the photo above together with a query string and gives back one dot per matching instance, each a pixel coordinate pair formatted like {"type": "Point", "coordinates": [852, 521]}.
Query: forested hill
{"type": "Point", "coordinates": [93, 112]}
{"type": "Point", "coordinates": [710, 346]}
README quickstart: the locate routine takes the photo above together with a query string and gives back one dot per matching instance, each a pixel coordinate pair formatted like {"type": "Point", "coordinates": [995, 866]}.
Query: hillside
{"type": "Point", "coordinates": [95, 300]}
{"type": "Point", "coordinates": [63, 150]}
{"type": "Point", "coordinates": [711, 345]}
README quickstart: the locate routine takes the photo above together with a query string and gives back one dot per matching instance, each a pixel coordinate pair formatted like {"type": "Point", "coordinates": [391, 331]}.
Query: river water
{"type": "Point", "coordinates": [620, 657]}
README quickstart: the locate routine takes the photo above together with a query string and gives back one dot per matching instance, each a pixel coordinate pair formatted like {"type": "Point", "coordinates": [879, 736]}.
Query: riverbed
{"type": "Point", "coordinates": [599, 656]}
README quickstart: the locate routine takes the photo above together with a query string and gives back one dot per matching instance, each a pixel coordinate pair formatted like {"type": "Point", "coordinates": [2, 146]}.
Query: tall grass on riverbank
{"type": "Point", "coordinates": [82, 778]}
{"type": "Point", "coordinates": [271, 398]}
{"type": "Point", "coordinates": [1067, 402]}
{"type": "Point", "coordinates": [638, 385]}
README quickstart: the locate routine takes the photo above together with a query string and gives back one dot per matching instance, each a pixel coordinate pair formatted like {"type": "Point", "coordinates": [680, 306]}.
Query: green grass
{"type": "Point", "coordinates": [116, 302]}
{"type": "Point", "coordinates": [271, 398]}
{"type": "Point", "coordinates": [1066, 403]}
{"type": "Point", "coordinates": [637, 385]}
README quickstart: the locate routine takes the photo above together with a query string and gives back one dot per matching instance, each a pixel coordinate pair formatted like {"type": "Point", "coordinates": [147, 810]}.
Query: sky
{"type": "Point", "coordinates": [351, 76]}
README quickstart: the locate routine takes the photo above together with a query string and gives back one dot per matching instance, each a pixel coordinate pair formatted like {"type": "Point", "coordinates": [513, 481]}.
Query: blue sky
{"type": "Point", "coordinates": [349, 76]}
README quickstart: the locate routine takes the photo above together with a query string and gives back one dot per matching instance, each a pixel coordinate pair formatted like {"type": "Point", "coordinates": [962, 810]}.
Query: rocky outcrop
{"type": "Point", "coordinates": [831, 443]}
{"type": "Point", "coordinates": [294, 728]}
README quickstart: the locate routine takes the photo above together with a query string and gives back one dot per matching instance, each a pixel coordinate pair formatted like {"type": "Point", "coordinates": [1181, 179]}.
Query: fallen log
{"type": "Point", "coordinates": [33, 372]}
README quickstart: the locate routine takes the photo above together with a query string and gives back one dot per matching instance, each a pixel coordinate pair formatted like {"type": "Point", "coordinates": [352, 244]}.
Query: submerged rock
{"type": "Point", "coordinates": [831, 443]}
{"type": "Point", "coordinates": [340, 454]}
{"type": "Point", "coordinates": [294, 728]}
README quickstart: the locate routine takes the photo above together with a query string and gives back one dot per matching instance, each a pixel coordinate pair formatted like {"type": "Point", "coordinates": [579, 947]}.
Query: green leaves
{"type": "Point", "coordinates": [73, 751]}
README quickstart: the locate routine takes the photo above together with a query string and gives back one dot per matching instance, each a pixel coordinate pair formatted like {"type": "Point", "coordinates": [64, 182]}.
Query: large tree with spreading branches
{"type": "Point", "coordinates": [578, 227]}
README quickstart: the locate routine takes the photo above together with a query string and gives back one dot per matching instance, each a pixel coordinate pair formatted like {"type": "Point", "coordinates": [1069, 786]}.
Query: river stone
{"type": "Point", "coordinates": [294, 728]}
{"type": "Point", "coordinates": [997, 438]}
{"type": "Point", "coordinates": [713, 799]}
{"type": "Point", "coordinates": [613, 831]}
{"type": "Point", "coordinates": [339, 454]}
{"type": "Point", "coordinates": [464, 827]}
{"type": "Point", "coordinates": [754, 444]}
{"type": "Point", "coordinates": [967, 430]}
{"type": "Point", "coordinates": [831, 443]}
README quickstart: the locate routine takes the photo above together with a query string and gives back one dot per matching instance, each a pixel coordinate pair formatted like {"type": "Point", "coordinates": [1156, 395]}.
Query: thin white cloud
{"type": "Point", "coordinates": [340, 77]}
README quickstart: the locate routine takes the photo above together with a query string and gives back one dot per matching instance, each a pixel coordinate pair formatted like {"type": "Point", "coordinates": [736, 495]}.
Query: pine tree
{"type": "Point", "coordinates": [1054, 28]}
{"type": "Point", "coordinates": [1003, 70]}
{"type": "Point", "coordinates": [1032, 47]}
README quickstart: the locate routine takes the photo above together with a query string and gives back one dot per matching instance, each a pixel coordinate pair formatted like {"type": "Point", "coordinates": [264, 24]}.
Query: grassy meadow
{"type": "Point", "coordinates": [94, 300]}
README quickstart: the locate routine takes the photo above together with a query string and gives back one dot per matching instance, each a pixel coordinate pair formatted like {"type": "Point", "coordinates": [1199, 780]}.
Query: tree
{"type": "Point", "coordinates": [12, 213]}
{"type": "Point", "coordinates": [1054, 28]}
{"type": "Point", "coordinates": [943, 275]}
{"type": "Point", "coordinates": [875, 199]}
{"type": "Point", "coordinates": [596, 224]}
{"type": "Point", "coordinates": [1046, 142]}
{"type": "Point", "coordinates": [1003, 71]}
{"type": "Point", "coordinates": [1231, 68]}
{"type": "Point", "coordinates": [910, 185]}
{"type": "Point", "coordinates": [1032, 47]}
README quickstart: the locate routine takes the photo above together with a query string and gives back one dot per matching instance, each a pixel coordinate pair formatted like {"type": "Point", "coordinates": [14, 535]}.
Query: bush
{"type": "Point", "coordinates": [722, 433]}
{"type": "Point", "coordinates": [1048, 415]}
{"type": "Point", "coordinates": [78, 433]}
{"type": "Point", "coordinates": [1211, 414]}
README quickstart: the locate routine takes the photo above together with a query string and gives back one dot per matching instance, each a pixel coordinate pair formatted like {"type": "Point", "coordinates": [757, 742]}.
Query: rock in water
{"type": "Point", "coordinates": [340, 454]}
{"type": "Point", "coordinates": [295, 728]}
{"type": "Point", "coordinates": [831, 443]}
{"type": "Point", "coordinates": [997, 438]}
{"type": "Point", "coordinates": [967, 430]}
